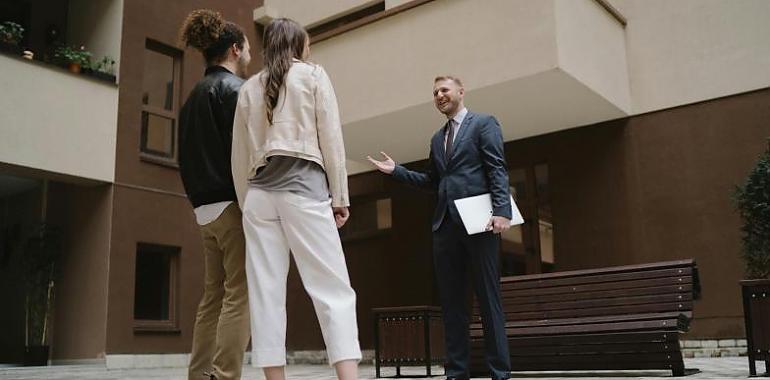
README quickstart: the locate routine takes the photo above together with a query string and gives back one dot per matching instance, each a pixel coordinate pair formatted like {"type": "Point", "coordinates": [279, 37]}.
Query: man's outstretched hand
{"type": "Point", "coordinates": [387, 166]}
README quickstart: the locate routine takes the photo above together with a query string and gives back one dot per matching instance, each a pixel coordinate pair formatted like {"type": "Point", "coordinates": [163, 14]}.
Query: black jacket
{"type": "Point", "coordinates": [206, 136]}
{"type": "Point", "coordinates": [477, 166]}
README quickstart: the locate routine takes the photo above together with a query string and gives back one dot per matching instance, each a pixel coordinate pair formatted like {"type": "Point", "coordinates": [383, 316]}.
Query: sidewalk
{"type": "Point", "coordinates": [711, 368]}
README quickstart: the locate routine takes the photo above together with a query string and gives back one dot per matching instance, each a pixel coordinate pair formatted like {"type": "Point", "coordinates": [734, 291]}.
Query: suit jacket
{"type": "Point", "coordinates": [477, 166]}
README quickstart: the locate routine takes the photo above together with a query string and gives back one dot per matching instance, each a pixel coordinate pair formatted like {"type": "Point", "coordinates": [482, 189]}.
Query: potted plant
{"type": "Point", "coordinates": [10, 36]}
{"type": "Point", "coordinates": [74, 58]}
{"type": "Point", "coordinates": [41, 253]}
{"type": "Point", "coordinates": [752, 200]}
{"type": "Point", "coordinates": [104, 69]}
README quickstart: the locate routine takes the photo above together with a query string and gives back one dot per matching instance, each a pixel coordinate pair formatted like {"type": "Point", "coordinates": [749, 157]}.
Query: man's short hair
{"type": "Point", "coordinates": [449, 77]}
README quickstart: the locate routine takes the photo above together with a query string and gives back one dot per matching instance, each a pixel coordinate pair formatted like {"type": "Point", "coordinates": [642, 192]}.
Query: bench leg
{"type": "Point", "coordinates": [398, 371]}
{"type": "Point", "coordinates": [377, 369]}
{"type": "Point", "coordinates": [752, 367]}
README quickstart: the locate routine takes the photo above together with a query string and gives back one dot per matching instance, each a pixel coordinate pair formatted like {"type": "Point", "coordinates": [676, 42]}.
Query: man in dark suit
{"type": "Point", "coordinates": [466, 159]}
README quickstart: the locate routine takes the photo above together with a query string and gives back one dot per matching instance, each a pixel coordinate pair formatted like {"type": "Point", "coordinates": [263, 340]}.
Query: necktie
{"type": "Point", "coordinates": [449, 139]}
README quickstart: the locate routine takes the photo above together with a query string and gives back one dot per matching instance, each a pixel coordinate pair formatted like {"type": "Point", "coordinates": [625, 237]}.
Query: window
{"type": "Point", "coordinates": [529, 247]}
{"type": "Point", "coordinates": [160, 102]}
{"type": "Point", "coordinates": [368, 218]}
{"type": "Point", "coordinates": [358, 18]}
{"type": "Point", "coordinates": [545, 219]}
{"type": "Point", "coordinates": [155, 283]}
{"type": "Point", "coordinates": [348, 19]}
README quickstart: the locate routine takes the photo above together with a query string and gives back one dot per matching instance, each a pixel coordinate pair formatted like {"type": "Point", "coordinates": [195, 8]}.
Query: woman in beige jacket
{"type": "Point", "coordinates": [288, 162]}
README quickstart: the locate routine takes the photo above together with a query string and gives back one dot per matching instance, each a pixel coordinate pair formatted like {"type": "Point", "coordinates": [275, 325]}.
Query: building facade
{"type": "Point", "coordinates": [627, 127]}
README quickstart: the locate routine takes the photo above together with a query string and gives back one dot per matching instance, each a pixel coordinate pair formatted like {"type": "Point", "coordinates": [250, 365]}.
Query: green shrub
{"type": "Point", "coordinates": [752, 200]}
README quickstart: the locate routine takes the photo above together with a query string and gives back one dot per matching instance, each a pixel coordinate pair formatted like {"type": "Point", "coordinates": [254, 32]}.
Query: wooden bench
{"type": "Point", "coordinates": [626, 317]}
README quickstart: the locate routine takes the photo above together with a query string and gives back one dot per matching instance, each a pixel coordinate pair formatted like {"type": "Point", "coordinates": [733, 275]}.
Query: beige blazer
{"type": "Point", "coordinates": [306, 124]}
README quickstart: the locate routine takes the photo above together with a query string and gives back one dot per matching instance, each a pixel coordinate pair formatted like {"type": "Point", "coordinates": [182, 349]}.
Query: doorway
{"type": "Point", "coordinates": [528, 248]}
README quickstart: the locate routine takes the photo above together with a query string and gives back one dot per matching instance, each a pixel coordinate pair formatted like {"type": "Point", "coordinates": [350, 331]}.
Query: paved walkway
{"type": "Point", "coordinates": [711, 368]}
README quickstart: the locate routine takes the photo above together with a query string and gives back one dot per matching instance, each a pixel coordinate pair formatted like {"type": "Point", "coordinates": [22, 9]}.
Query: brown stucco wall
{"type": "Point", "coordinates": [149, 203]}
{"type": "Point", "coordinates": [657, 187]}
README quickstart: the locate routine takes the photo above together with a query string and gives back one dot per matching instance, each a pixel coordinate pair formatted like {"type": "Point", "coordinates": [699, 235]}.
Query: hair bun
{"type": "Point", "coordinates": [202, 28]}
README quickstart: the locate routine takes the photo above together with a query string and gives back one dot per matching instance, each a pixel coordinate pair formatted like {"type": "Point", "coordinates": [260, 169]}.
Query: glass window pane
{"type": "Point", "coordinates": [512, 248]}
{"type": "Point", "coordinates": [152, 284]}
{"type": "Point", "coordinates": [545, 220]}
{"type": "Point", "coordinates": [518, 180]}
{"type": "Point", "coordinates": [384, 216]}
{"type": "Point", "coordinates": [367, 217]}
{"type": "Point", "coordinates": [546, 242]}
{"type": "Point", "coordinates": [158, 80]}
{"type": "Point", "coordinates": [157, 134]}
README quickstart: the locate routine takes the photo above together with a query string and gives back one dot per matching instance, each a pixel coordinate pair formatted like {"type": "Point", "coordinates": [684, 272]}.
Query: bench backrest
{"type": "Point", "coordinates": [660, 287]}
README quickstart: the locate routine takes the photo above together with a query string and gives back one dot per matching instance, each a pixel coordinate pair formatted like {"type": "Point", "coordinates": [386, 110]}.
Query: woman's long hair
{"type": "Point", "coordinates": [209, 32]}
{"type": "Point", "coordinates": [284, 40]}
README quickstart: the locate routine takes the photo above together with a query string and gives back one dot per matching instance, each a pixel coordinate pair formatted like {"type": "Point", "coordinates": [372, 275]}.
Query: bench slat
{"type": "Point", "coordinates": [591, 320]}
{"type": "Point", "coordinates": [591, 358]}
{"type": "Point", "coordinates": [512, 299]}
{"type": "Point", "coordinates": [589, 339]}
{"type": "Point", "coordinates": [510, 315]}
{"type": "Point", "coordinates": [595, 349]}
{"type": "Point", "coordinates": [688, 263]}
{"type": "Point", "coordinates": [506, 291]}
{"type": "Point", "coordinates": [668, 324]}
{"type": "Point", "coordinates": [479, 369]}
{"type": "Point", "coordinates": [599, 302]}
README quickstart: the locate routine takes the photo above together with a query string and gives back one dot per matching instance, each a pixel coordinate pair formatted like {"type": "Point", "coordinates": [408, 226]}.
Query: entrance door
{"type": "Point", "coordinates": [528, 248]}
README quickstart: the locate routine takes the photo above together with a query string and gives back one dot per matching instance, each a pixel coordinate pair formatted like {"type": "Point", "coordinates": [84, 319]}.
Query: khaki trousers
{"type": "Point", "coordinates": [222, 322]}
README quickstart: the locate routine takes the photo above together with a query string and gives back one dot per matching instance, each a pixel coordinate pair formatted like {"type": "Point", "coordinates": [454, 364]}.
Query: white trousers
{"type": "Point", "coordinates": [275, 223]}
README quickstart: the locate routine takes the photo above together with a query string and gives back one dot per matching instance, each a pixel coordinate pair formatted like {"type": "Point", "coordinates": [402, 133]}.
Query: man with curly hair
{"type": "Point", "coordinates": [221, 330]}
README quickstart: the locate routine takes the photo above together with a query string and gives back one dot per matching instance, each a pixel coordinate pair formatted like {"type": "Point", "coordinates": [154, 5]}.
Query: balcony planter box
{"type": "Point", "coordinates": [103, 76]}
{"type": "Point", "coordinates": [10, 48]}
{"type": "Point", "coordinates": [752, 199]}
{"type": "Point", "coordinates": [36, 355]}
{"type": "Point", "coordinates": [756, 312]}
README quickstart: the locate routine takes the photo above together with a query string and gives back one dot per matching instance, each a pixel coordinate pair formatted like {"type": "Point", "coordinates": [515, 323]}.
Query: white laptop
{"type": "Point", "coordinates": [477, 211]}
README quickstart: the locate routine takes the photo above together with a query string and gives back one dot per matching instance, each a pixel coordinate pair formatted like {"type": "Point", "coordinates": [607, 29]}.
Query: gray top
{"type": "Point", "coordinates": [297, 175]}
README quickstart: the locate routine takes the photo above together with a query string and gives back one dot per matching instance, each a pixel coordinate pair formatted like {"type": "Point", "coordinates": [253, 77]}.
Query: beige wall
{"type": "Point", "coordinates": [670, 53]}
{"type": "Point", "coordinates": [686, 51]}
{"type": "Point", "coordinates": [96, 24]}
{"type": "Point", "coordinates": [389, 65]}
{"type": "Point", "coordinates": [79, 329]}
{"type": "Point", "coordinates": [526, 64]}
{"type": "Point", "coordinates": [56, 121]}
{"type": "Point", "coordinates": [592, 48]}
